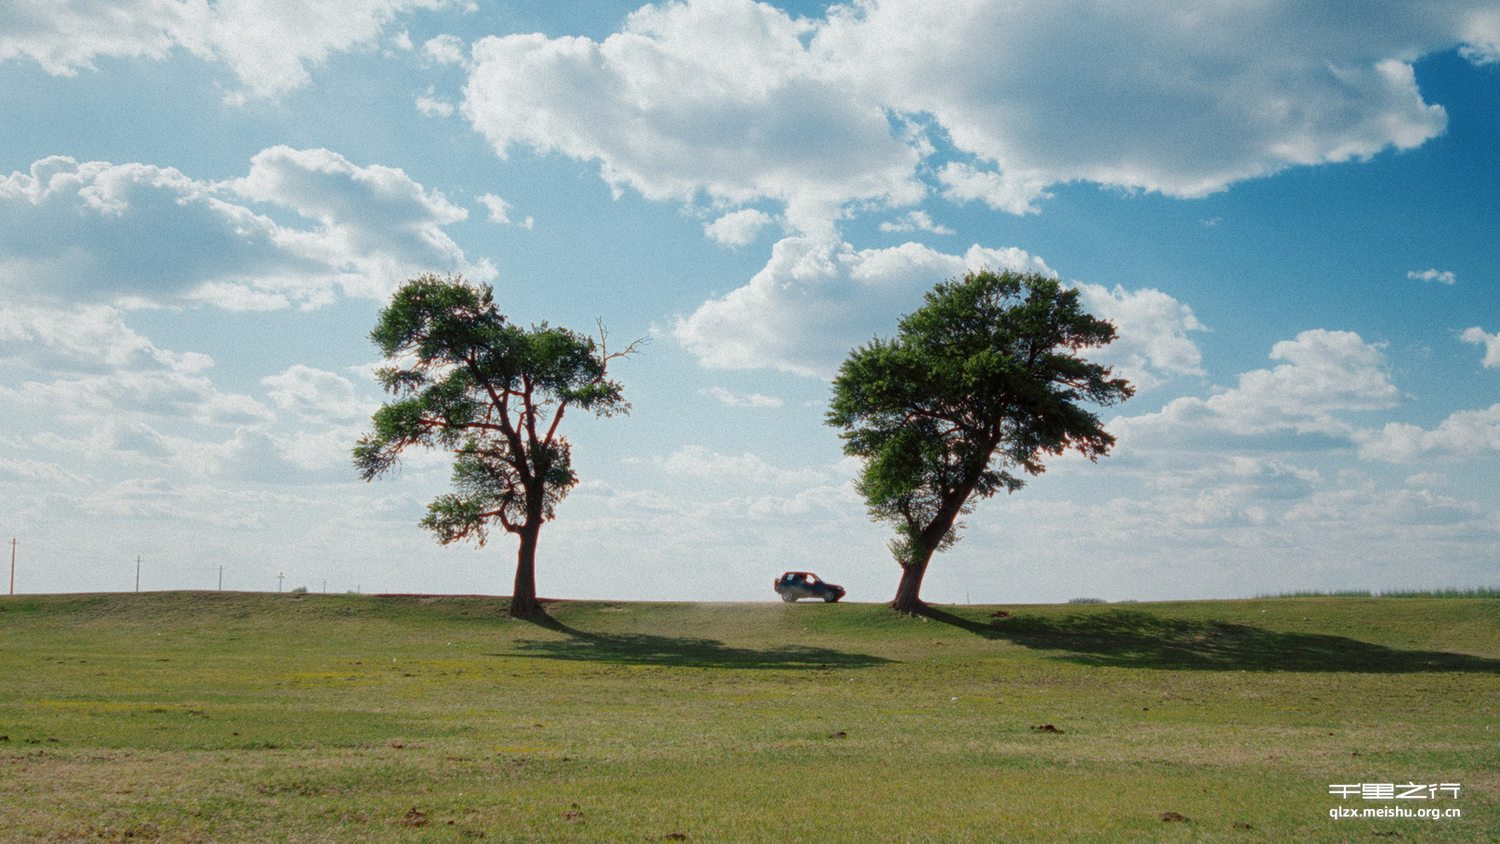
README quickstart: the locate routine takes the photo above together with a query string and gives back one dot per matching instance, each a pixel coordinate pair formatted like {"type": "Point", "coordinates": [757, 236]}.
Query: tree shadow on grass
{"type": "Point", "coordinates": [644, 649]}
{"type": "Point", "coordinates": [1133, 639]}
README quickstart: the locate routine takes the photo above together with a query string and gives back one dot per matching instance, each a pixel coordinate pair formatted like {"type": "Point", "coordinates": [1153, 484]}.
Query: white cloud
{"type": "Point", "coordinates": [1153, 343]}
{"type": "Point", "coordinates": [267, 44]}
{"type": "Point", "coordinates": [915, 221]}
{"type": "Point", "coordinates": [151, 234]}
{"type": "Point", "coordinates": [738, 228]}
{"type": "Point", "coordinates": [699, 462]}
{"type": "Point", "coordinates": [1490, 342]}
{"type": "Point", "coordinates": [165, 394]}
{"type": "Point", "coordinates": [1466, 432]}
{"type": "Point", "coordinates": [90, 338]}
{"type": "Point", "coordinates": [89, 385]}
{"type": "Point", "coordinates": [716, 98]}
{"type": "Point", "coordinates": [500, 211]}
{"type": "Point", "coordinates": [1010, 191]}
{"type": "Point", "coordinates": [316, 394]}
{"type": "Point", "coordinates": [445, 49]}
{"type": "Point", "coordinates": [430, 106]}
{"type": "Point", "coordinates": [1439, 276]}
{"type": "Point", "coordinates": [1154, 95]}
{"type": "Point", "coordinates": [814, 301]}
{"type": "Point", "coordinates": [736, 400]}
{"type": "Point", "coordinates": [1325, 374]}
{"type": "Point", "coordinates": [738, 101]}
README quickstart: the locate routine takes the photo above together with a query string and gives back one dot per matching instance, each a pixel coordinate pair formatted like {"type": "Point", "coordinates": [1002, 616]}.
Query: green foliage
{"type": "Point", "coordinates": [980, 384]}
{"type": "Point", "coordinates": [465, 379]}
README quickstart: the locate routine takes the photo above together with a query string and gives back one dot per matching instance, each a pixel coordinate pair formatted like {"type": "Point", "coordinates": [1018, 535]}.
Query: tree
{"type": "Point", "coordinates": [465, 379]}
{"type": "Point", "coordinates": [981, 383]}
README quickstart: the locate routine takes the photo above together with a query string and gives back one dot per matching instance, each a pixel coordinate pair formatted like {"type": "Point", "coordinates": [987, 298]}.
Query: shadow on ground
{"type": "Point", "coordinates": [644, 649]}
{"type": "Point", "coordinates": [1132, 639]}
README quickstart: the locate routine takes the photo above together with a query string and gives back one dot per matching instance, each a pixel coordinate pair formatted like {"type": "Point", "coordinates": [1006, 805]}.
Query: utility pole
{"type": "Point", "coordinates": [325, 586]}
{"type": "Point", "coordinates": [137, 572]}
{"type": "Point", "coordinates": [279, 576]}
{"type": "Point", "coordinates": [221, 578]}
{"type": "Point", "coordinates": [12, 565]}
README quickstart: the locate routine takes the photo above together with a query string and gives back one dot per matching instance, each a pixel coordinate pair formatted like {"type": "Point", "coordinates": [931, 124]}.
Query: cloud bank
{"type": "Point", "coordinates": [301, 227]}
{"type": "Point", "coordinates": [731, 102]}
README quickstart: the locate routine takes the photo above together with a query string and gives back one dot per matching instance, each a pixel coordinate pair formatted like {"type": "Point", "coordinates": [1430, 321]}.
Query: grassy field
{"type": "Point", "coordinates": [249, 717]}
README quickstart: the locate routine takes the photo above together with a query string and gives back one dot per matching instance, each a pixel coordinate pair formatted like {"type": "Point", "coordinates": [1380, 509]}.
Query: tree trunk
{"type": "Point", "coordinates": [908, 594]}
{"type": "Point", "coordinates": [523, 603]}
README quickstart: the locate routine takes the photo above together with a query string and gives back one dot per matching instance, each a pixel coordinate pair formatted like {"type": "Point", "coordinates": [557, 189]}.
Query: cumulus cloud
{"type": "Point", "coordinates": [445, 49]}
{"type": "Point", "coordinates": [699, 462]}
{"type": "Point", "coordinates": [738, 228]}
{"type": "Point", "coordinates": [816, 300]}
{"type": "Point", "coordinates": [267, 44]}
{"type": "Point", "coordinates": [499, 211]}
{"type": "Point", "coordinates": [1152, 345]}
{"type": "Point", "coordinates": [1324, 375]}
{"type": "Point", "coordinates": [736, 400]}
{"type": "Point", "coordinates": [90, 338]}
{"type": "Point", "coordinates": [1439, 276]}
{"type": "Point", "coordinates": [716, 98]}
{"type": "Point", "coordinates": [136, 231]}
{"type": "Point", "coordinates": [1466, 432]}
{"type": "Point", "coordinates": [915, 221]}
{"type": "Point", "coordinates": [102, 390]}
{"type": "Point", "coordinates": [1490, 342]}
{"type": "Point", "coordinates": [738, 101]}
{"type": "Point", "coordinates": [139, 393]}
{"type": "Point", "coordinates": [429, 105]}
{"type": "Point", "coordinates": [1153, 96]}
{"type": "Point", "coordinates": [1011, 191]}
{"type": "Point", "coordinates": [316, 393]}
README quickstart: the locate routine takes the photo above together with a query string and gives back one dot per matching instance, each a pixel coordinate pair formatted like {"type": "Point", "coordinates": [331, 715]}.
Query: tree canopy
{"type": "Point", "coordinates": [465, 379]}
{"type": "Point", "coordinates": [981, 383]}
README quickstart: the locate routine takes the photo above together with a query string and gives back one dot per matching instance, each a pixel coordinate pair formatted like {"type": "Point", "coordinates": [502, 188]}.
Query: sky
{"type": "Point", "coordinates": [1288, 209]}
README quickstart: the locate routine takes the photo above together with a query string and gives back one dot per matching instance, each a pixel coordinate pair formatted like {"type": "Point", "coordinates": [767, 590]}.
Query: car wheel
{"type": "Point", "coordinates": [830, 599]}
{"type": "Point", "coordinates": [790, 599]}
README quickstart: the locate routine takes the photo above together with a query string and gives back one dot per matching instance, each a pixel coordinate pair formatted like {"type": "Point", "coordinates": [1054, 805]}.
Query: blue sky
{"type": "Point", "coordinates": [1289, 212]}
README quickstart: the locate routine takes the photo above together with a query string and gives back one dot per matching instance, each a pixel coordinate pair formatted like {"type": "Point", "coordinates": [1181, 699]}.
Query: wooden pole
{"type": "Point", "coordinates": [137, 572]}
{"type": "Point", "coordinates": [12, 565]}
{"type": "Point", "coordinates": [221, 578]}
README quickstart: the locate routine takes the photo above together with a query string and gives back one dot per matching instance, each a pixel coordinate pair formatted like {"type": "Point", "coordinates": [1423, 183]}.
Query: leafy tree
{"type": "Point", "coordinates": [981, 383]}
{"type": "Point", "coordinates": [465, 379]}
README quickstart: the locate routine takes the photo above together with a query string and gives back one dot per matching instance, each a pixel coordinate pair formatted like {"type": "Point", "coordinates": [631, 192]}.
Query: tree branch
{"type": "Point", "coordinates": [502, 404]}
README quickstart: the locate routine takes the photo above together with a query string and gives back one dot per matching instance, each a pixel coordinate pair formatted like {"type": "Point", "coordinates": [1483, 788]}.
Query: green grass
{"type": "Point", "coordinates": [246, 717]}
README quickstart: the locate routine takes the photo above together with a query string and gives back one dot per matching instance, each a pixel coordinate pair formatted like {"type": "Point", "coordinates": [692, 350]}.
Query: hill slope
{"type": "Point", "coordinates": [233, 716]}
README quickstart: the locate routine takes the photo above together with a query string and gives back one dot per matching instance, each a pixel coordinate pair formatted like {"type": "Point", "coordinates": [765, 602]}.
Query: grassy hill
{"type": "Point", "coordinates": [194, 716]}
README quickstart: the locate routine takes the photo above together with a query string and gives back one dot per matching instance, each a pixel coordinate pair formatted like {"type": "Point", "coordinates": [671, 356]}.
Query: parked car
{"type": "Point", "coordinates": [804, 584]}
